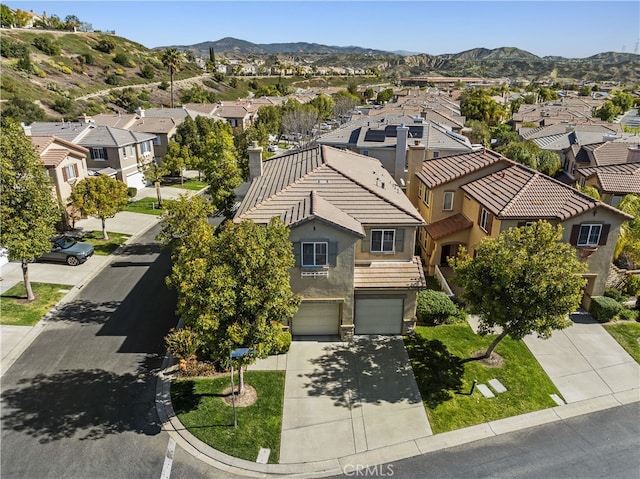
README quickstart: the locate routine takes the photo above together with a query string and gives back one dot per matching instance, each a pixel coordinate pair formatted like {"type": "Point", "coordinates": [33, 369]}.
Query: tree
{"type": "Point", "coordinates": [479, 132]}
{"type": "Point", "coordinates": [153, 173]}
{"type": "Point", "coordinates": [607, 111]}
{"type": "Point", "coordinates": [477, 104]}
{"type": "Point", "coordinates": [629, 238]}
{"type": "Point", "coordinates": [181, 217]}
{"type": "Point", "coordinates": [22, 110]}
{"type": "Point", "coordinates": [548, 162]}
{"type": "Point", "coordinates": [6, 17]}
{"type": "Point", "coordinates": [28, 211]}
{"type": "Point", "coordinates": [622, 100]}
{"type": "Point", "coordinates": [177, 159]}
{"type": "Point", "coordinates": [300, 121]}
{"type": "Point", "coordinates": [324, 105]}
{"type": "Point", "coordinates": [172, 60]}
{"type": "Point", "coordinates": [220, 167]}
{"type": "Point", "coordinates": [525, 280]}
{"type": "Point", "coordinates": [234, 289]}
{"type": "Point", "coordinates": [100, 196]}
{"type": "Point", "coordinates": [384, 95]}
{"type": "Point", "coordinates": [343, 102]}
{"type": "Point", "coordinates": [531, 155]}
{"type": "Point", "coordinates": [271, 118]}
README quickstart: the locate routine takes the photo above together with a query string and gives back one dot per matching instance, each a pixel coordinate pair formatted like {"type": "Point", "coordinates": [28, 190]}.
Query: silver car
{"type": "Point", "coordinates": [67, 250]}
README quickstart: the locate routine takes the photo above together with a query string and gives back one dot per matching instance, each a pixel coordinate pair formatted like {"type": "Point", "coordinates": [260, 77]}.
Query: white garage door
{"type": "Point", "coordinates": [379, 315]}
{"type": "Point", "coordinates": [135, 180]}
{"type": "Point", "coordinates": [316, 319]}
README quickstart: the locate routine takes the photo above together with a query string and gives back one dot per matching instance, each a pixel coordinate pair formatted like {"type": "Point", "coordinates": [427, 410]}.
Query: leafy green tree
{"type": "Point", "coordinates": [478, 132]}
{"type": "Point", "coordinates": [368, 94]}
{"type": "Point", "coordinates": [548, 162]}
{"type": "Point", "coordinates": [384, 95]}
{"type": "Point", "coordinates": [525, 280]}
{"type": "Point", "coordinates": [6, 16]}
{"type": "Point", "coordinates": [172, 60]}
{"type": "Point", "coordinates": [221, 170]}
{"type": "Point", "coordinates": [585, 90]}
{"type": "Point", "coordinates": [622, 100]}
{"type": "Point", "coordinates": [180, 217]}
{"type": "Point", "coordinates": [504, 134]}
{"type": "Point", "coordinates": [629, 238]}
{"type": "Point", "coordinates": [607, 111]}
{"type": "Point", "coordinates": [521, 151]}
{"type": "Point", "coordinates": [197, 94]}
{"type": "Point", "coordinates": [28, 211]}
{"type": "Point", "coordinates": [22, 110]}
{"type": "Point", "coordinates": [589, 190]}
{"type": "Point", "coordinates": [234, 289]}
{"type": "Point", "coordinates": [100, 196]}
{"type": "Point", "coordinates": [71, 22]}
{"type": "Point", "coordinates": [177, 159]}
{"type": "Point", "coordinates": [324, 105]}
{"type": "Point", "coordinates": [477, 104]}
{"type": "Point", "coordinates": [153, 172]}
{"type": "Point", "coordinates": [271, 118]}
{"type": "Point", "coordinates": [546, 94]}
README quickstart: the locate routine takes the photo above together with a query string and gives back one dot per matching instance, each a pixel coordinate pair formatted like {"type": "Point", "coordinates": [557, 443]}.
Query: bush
{"type": "Point", "coordinates": [632, 285]}
{"type": "Point", "coordinates": [87, 59]}
{"type": "Point", "coordinates": [112, 79]}
{"type": "Point", "coordinates": [9, 49]}
{"type": "Point", "coordinates": [435, 307]}
{"type": "Point", "coordinates": [615, 294]}
{"type": "Point", "coordinates": [124, 60]}
{"type": "Point", "coordinates": [45, 45]}
{"type": "Point", "coordinates": [147, 72]}
{"type": "Point", "coordinates": [105, 46]}
{"type": "Point", "coordinates": [182, 343]}
{"type": "Point", "coordinates": [283, 343]}
{"type": "Point", "coordinates": [627, 315]}
{"type": "Point", "coordinates": [163, 86]}
{"type": "Point", "coordinates": [132, 191]}
{"type": "Point", "coordinates": [604, 308]}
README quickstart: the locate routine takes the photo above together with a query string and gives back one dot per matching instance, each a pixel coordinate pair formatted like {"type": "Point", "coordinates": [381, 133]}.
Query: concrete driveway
{"type": "Point", "coordinates": [345, 398]}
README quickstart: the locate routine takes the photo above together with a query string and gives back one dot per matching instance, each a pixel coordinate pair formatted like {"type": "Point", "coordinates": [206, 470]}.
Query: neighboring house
{"type": "Point", "coordinates": [112, 151]}
{"type": "Point", "coordinates": [352, 230]}
{"type": "Point", "coordinates": [567, 110]}
{"type": "Point", "coordinates": [387, 139]}
{"type": "Point", "coordinates": [66, 163]}
{"type": "Point", "coordinates": [465, 198]}
{"type": "Point", "coordinates": [238, 116]}
{"type": "Point", "coordinates": [613, 182]}
{"type": "Point", "coordinates": [607, 152]}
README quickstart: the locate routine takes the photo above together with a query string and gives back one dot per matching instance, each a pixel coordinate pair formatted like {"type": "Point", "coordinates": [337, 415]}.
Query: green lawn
{"type": "Point", "coordinates": [199, 405]}
{"type": "Point", "coordinates": [148, 206]}
{"type": "Point", "coordinates": [103, 247]}
{"type": "Point", "coordinates": [627, 333]}
{"type": "Point", "coordinates": [16, 311]}
{"type": "Point", "coordinates": [437, 355]}
{"type": "Point", "coordinates": [190, 184]}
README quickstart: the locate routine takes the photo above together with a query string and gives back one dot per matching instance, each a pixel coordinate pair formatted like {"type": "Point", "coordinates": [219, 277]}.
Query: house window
{"type": "Point", "coordinates": [436, 154]}
{"type": "Point", "coordinates": [423, 193]}
{"type": "Point", "coordinates": [98, 154]}
{"type": "Point", "coordinates": [484, 220]}
{"type": "Point", "coordinates": [124, 151]}
{"type": "Point", "coordinates": [233, 122]}
{"type": "Point", "coordinates": [314, 254]}
{"type": "Point", "coordinates": [448, 201]}
{"type": "Point", "coordinates": [589, 235]}
{"type": "Point", "coordinates": [382, 241]}
{"type": "Point", "coordinates": [365, 152]}
{"type": "Point", "coordinates": [69, 172]}
{"type": "Point", "coordinates": [616, 199]}
{"type": "Point", "coordinates": [145, 147]}
{"type": "Point", "coordinates": [157, 141]}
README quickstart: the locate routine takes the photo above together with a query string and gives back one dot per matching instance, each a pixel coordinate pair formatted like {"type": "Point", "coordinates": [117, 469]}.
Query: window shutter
{"type": "Point", "coordinates": [575, 231]}
{"type": "Point", "coordinates": [64, 174]}
{"type": "Point", "coordinates": [480, 216]}
{"type": "Point", "coordinates": [333, 253]}
{"type": "Point", "coordinates": [604, 234]}
{"type": "Point", "coordinates": [399, 246]}
{"type": "Point", "coordinates": [365, 243]}
{"type": "Point", "coordinates": [297, 247]}
{"type": "Point", "coordinates": [489, 222]}
{"type": "Point", "coordinates": [75, 168]}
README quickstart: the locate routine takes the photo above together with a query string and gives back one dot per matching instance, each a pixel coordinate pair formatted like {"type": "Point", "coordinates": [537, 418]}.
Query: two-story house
{"type": "Point", "coordinates": [613, 182]}
{"type": "Point", "coordinates": [112, 151]}
{"type": "Point", "coordinates": [352, 230]}
{"type": "Point", "coordinates": [466, 198]}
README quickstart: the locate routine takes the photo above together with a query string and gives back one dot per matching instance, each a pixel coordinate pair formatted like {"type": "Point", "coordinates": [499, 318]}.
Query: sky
{"type": "Point", "coordinates": [572, 29]}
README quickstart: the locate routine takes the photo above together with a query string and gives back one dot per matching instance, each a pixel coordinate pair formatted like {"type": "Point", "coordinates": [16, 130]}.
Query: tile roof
{"type": "Point", "coordinates": [448, 226]}
{"type": "Point", "coordinates": [608, 153]}
{"type": "Point", "coordinates": [315, 207]}
{"type": "Point", "coordinates": [54, 150]}
{"type": "Point", "coordinates": [621, 178]}
{"type": "Point", "coordinates": [389, 275]}
{"type": "Point", "coordinates": [357, 185]}
{"type": "Point", "coordinates": [519, 192]}
{"type": "Point", "coordinates": [443, 170]}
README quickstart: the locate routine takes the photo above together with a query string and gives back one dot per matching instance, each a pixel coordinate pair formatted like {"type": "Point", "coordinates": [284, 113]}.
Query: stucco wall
{"type": "Point", "coordinates": [407, 249]}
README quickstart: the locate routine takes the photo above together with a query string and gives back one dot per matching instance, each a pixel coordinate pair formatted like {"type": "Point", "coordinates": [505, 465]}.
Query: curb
{"type": "Point", "coordinates": [423, 445]}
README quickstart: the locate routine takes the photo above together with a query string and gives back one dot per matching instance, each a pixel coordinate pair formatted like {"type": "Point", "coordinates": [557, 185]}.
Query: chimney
{"type": "Point", "coordinates": [401, 152]}
{"type": "Point", "coordinates": [255, 160]}
{"type": "Point", "coordinates": [416, 155]}
{"type": "Point", "coordinates": [634, 154]}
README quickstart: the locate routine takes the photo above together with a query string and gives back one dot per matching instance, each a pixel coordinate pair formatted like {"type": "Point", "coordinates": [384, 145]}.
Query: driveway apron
{"type": "Point", "coordinates": [346, 398]}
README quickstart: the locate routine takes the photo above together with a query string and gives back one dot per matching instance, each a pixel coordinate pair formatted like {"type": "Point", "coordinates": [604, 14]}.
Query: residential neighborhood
{"type": "Point", "coordinates": [368, 274]}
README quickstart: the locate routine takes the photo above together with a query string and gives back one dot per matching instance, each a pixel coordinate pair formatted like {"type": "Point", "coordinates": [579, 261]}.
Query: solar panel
{"type": "Point", "coordinates": [374, 135]}
{"type": "Point", "coordinates": [416, 131]}
{"type": "Point", "coordinates": [391, 131]}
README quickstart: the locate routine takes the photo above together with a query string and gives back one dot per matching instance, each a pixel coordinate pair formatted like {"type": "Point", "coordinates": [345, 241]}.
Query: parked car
{"type": "Point", "coordinates": [68, 250]}
{"type": "Point", "coordinates": [272, 148]}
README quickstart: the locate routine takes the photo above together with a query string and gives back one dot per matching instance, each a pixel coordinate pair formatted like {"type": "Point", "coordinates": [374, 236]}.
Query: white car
{"type": "Point", "coordinates": [272, 148]}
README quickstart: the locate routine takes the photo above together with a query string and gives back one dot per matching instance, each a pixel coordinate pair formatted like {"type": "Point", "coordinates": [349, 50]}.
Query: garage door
{"type": "Point", "coordinates": [135, 180]}
{"type": "Point", "coordinates": [316, 319]}
{"type": "Point", "coordinates": [379, 315]}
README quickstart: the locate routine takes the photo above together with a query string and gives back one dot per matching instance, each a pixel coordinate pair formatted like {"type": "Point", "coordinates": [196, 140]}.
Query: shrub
{"type": "Point", "coordinates": [282, 344]}
{"type": "Point", "coordinates": [435, 307]}
{"type": "Point", "coordinates": [45, 45]}
{"type": "Point", "coordinates": [9, 49]}
{"type": "Point", "coordinates": [63, 105]}
{"type": "Point", "coordinates": [147, 72]}
{"type": "Point", "coordinates": [112, 79]}
{"type": "Point", "coordinates": [87, 59]}
{"type": "Point", "coordinates": [124, 60]}
{"type": "Point", "coordinates": [183, 344]}
{"type": "Point", "coordinates": [632, 285]}
{"type": "Point", "coordinates": [132, 191]}
{"type": "Point", "coordinates": [627, 315]}
{"type": "Point", "coordinates": [615, 294]}
{"type": "Point", "coordinates": [604, 308]}
{"type": "Point", "coordinates": [163, 86]}
{"type": "Point", "coordinates": [105, 46]}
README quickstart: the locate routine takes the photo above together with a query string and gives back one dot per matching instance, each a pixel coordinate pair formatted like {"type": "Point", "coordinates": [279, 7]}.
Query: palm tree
{"type": "Point", "coordinates": [172, 59]}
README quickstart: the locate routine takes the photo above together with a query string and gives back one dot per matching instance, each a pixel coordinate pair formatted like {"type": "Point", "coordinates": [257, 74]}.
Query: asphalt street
{"type": "Point", "coordinates": [80, 402]}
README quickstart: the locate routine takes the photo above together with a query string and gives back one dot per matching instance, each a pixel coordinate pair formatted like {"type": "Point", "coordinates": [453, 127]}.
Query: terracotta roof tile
{"type": "Point", "coordinates": [448, 226]}
{"type": "Point", "coordinates": [443, 170]}
{"type": "Point", "coordinates": [390, 275]}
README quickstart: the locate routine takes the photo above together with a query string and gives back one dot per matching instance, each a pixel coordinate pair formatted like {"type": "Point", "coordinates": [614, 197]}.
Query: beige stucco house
{"type": "Point", "coordinates": [466, 198]}
{"type": "Point", "coordinates": [352, 230]}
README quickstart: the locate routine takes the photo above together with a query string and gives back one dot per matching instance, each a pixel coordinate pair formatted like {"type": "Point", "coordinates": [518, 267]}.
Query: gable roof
{"type": "Point", "coordinates": [622, 178]}
{"type": "Point", "coordinates": [356, 185]}
{"type": "Point", "coordinates": [53, 150]}
{"type": "Point", "coordinates": [439, 171]}
{"type": "Point", "coordinates": [608, 153]}
{"type": "Point", "coordinates": [518, 192]}
{"type": "Point", "coordinates": [89, 134]}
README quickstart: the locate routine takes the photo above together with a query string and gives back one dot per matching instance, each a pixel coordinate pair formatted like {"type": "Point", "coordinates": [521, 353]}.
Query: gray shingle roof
{"type": "Point", "coordinates": [88, 134]}
{"type": "Point", "coordinates": [354, 184]}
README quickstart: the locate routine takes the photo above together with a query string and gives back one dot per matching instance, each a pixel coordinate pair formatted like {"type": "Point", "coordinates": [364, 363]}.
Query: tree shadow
{"type": "Point", "coordinates": [86, 312]}
{"type": "Point", "coordinates": [87, 404]}
{"type": "Point", "coordinates": [371, 369]}
{"type": "Point", "coordinates": [437, 371]}
{"type": "Point", "coordinates": [138, 249]}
